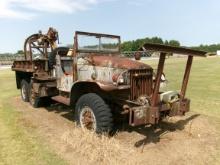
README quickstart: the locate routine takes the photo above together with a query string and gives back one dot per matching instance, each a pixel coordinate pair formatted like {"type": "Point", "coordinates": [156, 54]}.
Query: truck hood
{"type": "Point", "coordinates": [117, 62]}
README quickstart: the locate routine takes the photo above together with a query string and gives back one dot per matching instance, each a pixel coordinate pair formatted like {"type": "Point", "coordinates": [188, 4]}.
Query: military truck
{"type": "Point", "coordinates": [99, 84]}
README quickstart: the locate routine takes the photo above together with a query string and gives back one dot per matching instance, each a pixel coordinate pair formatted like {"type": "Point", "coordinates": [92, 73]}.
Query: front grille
{"type": "Point", "coordinates": [141, 83]}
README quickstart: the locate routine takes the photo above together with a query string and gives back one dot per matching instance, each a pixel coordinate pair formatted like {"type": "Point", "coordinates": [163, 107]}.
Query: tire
{"type": "Point", "coordinates": [33, 98]}
{"type": "Point", "coordinates": [25, 88]}
{"type": "Point", "coordinates": [35, 102]}
{"type": "Point", "coordinates": [98, 113]}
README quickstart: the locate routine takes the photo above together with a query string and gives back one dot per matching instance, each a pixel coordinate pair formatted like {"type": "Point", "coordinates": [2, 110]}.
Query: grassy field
{"type": "Point", "coordinates": [18, 146]}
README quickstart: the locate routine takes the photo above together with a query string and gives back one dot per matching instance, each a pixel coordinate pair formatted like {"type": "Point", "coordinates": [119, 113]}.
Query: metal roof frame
{"type": "Point", "coordinates": [172, 49]}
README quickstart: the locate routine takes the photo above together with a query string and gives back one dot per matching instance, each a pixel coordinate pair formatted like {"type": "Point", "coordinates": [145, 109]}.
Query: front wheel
{"type": "Point", "coordinates": [93, 113]}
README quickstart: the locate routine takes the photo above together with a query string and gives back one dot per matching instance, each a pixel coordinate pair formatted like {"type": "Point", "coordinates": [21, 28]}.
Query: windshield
{"type": "Point", "coordinates": [97, 43]}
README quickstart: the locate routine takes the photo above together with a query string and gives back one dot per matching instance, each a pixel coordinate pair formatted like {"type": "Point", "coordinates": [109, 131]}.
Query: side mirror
{"type": "Point", "coordinates": [137, 56]}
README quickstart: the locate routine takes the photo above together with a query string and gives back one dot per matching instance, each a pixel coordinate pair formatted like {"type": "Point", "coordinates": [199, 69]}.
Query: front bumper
{"type": "Point", "coordinates": [151, 115]}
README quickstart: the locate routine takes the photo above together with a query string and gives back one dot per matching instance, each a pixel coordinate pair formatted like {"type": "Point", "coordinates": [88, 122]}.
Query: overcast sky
{"type": "Point", "coordinates": [192, 22]}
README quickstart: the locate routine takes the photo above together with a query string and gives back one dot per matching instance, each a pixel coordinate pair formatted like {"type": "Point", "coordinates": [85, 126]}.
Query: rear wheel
{"type": "Point", "coordinates": [33, 98]}
{"type": "Point", "coordinates": [25, 90]}
{"type": "Point", "coordinates": [93, 113]}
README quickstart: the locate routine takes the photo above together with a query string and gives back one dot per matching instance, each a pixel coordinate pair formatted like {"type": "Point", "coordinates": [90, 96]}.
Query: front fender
{"type": "Point", "coordinates": [80, 88]}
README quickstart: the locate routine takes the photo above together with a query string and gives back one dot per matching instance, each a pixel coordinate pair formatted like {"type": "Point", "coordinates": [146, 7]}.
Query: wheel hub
{"type": "Point", "coordinates": [87, 118]}
{"type": "Point", "coordinates": [23, 92]}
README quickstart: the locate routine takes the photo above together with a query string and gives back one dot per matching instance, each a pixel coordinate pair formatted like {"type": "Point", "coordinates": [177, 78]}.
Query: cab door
{"type": "Point", "coordinates": [64, 73]}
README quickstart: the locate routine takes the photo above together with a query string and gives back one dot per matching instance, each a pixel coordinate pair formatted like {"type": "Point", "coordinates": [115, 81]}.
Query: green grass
{"type": "Point", "coordinates": [16, 145]}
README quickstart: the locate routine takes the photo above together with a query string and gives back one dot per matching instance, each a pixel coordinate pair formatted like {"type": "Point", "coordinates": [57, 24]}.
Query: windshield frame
{"type": "Point", "coordinates": [98, 35]}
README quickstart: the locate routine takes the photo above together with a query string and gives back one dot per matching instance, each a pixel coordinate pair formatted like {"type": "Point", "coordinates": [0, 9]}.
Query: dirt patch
{"type": "Point", "coordinates": [191, 139]}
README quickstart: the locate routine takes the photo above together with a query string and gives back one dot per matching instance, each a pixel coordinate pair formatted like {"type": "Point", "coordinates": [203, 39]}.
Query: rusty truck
{"type": "Point", "coordinates": [99, 84]}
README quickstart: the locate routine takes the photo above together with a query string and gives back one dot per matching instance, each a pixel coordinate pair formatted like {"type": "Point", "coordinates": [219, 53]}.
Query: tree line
{"type": "Point", "coordinates": [136, 44]}
{"type": "Point", "coordinates": [208, 48]}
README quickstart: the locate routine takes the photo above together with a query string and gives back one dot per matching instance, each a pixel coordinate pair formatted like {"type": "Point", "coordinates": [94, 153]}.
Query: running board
{"type": "Point", "coordinates": [61, 99]}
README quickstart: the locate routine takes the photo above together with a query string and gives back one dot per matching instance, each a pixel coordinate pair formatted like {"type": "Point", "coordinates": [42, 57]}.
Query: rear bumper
{"type": "Point", "coordinates": [151, 115]}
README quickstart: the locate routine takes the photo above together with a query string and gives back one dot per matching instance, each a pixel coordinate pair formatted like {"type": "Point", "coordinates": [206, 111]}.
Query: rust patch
{"type": "Point", "coordinates": [117, 62]}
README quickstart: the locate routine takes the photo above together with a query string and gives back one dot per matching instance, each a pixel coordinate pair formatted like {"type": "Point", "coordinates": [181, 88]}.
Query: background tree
{"type": "Point", "coordinates": [174, 43]}
{"type": "Point", "coordinates": [136, 44]}
{"type": "Point", "coordinates": [20, 52]}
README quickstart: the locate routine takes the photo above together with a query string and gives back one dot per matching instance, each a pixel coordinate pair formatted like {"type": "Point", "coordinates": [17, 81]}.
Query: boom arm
{"type": "Point", "coordinates": [41, 43]}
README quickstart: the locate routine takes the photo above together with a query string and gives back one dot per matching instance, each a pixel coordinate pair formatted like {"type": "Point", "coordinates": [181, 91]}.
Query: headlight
{"type": "Point", "coordinates": [121, 79]}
